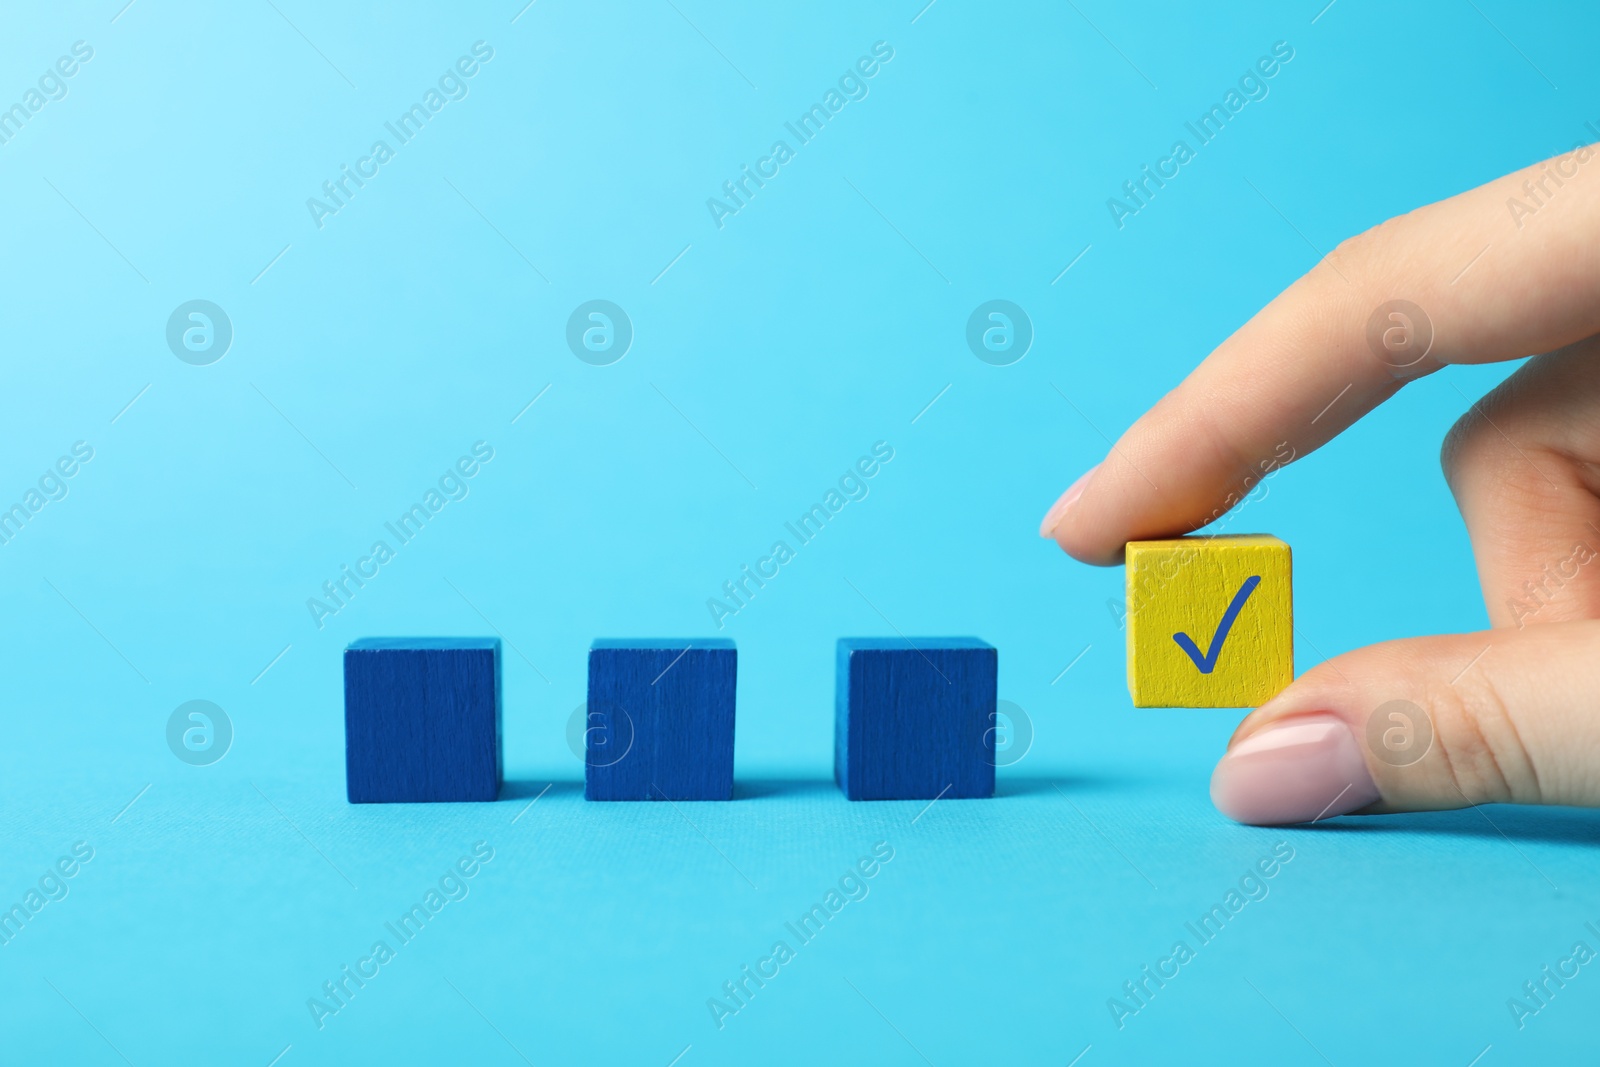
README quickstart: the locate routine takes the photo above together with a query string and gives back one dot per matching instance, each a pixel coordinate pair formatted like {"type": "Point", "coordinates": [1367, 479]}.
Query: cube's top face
{"type": "Point", "coordinates": [910, 644]}
{"type": "Point", "coordinates": [660, 644]}
{"type": "Point", "coordinates": [1203, 543]}
{"type": "Point", "coordinates": [1210, 621]}
{"type": "Point", "coordinates": [425, 644]}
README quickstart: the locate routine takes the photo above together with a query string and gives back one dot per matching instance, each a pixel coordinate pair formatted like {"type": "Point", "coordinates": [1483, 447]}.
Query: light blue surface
{"type": "Point", "coordinates": [765, 361]}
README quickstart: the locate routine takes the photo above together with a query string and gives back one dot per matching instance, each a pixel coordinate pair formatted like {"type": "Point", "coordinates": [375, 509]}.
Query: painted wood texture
{"type": "Point", "coordinates": [422, 719]}
{"type": "Point", "coordinates": [660, 719]}
{"type": "Point", "coordinates": [1210, 621]}
{"type": "Point", "coordinates": [913, 718]}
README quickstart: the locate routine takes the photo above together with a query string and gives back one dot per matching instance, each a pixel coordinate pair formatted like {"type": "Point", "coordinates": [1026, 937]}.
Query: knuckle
{"type": "Point", "coordinates": [1481, 441]}
{"type": "Point", "coordinates": [1348, 259]}
{"type": "Point", "coordinates": [1460, 444]}
{"type": "Point", "coordinates": [1368, 254]}
{"type": "Point", "coordinates": [1358, 247]}
{"type": "Point", "coordinates": [1478, 739]}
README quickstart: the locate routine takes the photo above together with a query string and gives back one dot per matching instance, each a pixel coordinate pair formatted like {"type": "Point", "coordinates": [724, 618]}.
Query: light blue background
{"type": "Point", "coordinates": [822, 318]}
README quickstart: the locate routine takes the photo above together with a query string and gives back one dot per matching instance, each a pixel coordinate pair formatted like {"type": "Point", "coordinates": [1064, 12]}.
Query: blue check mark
{"type": "Point", "coordinates": [1208, 662]}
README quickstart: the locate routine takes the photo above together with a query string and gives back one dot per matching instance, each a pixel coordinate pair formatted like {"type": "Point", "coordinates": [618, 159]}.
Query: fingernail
{"type": "Point", "coordinates": [1299, 770]}
{"type": "Point", "coordinates": [1052, 518]}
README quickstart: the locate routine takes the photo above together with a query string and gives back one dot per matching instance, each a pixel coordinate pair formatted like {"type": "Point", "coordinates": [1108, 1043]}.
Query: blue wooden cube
{"type": "Point", "coordinates": [660, 720]}
{"type": "Point", "coordinates": [422, 719]}
{"type": "Point", "coordinates": [913, 718]}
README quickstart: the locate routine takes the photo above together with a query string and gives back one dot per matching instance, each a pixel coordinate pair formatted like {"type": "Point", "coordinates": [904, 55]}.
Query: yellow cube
{"type": "Point", "coordinates": [1210, 621]}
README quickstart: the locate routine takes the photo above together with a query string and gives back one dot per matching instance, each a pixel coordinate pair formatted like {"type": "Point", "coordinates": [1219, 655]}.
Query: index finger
{"type": "Point", "coordinates": [1506, 270]}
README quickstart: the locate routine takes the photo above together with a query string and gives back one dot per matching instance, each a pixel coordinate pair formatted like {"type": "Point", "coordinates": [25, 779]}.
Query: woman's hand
{"type": "Point", "coordinates": [1497, 273]}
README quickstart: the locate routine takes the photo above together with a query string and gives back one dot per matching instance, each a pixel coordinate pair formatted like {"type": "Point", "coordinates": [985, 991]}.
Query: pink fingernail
{"type": "Point", "coordinates": [1052, 518]}
{"type": "Point", "coordinates": [1300, 770]}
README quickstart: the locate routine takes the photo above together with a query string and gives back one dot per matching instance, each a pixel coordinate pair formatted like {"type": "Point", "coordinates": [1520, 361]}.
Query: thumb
{"type": "Point", "coordinates": [1424, 724]}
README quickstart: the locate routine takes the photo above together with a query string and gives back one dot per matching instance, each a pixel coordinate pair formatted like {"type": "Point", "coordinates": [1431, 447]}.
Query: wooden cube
{"type": "Point", "coordinates": [913, 718]}
{"type": "Point", "coordinates": [660, 719]}
{"type": "Point", "coordinates": [1210, 621]}
{"type": "Point", "coordinates": [422, 719]}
